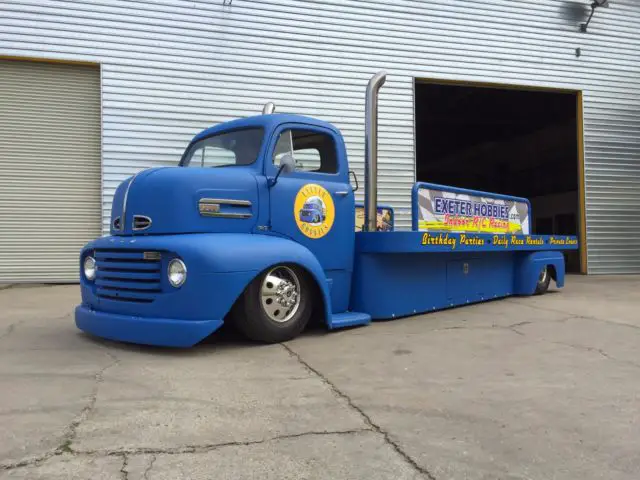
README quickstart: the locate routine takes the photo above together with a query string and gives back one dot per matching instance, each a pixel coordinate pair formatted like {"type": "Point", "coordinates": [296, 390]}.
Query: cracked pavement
{"type": "Point", "coordinates": [523, 388]}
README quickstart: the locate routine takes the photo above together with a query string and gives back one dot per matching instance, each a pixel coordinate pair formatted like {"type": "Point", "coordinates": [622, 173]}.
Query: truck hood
{"type": "Point", "coordinates": [174, 200]}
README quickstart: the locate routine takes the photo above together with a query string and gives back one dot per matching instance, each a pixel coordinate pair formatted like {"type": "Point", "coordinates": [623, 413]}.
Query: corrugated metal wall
{"type": "Point", "coordinates": [172, 67]}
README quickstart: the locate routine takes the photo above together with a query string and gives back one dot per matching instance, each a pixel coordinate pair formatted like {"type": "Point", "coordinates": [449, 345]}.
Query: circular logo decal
{"type": "Point", "coordinates": [314, 211]}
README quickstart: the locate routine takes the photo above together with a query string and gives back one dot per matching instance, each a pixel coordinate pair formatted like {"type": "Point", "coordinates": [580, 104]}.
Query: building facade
{"type": "Point", "coordinates": [165, 69]}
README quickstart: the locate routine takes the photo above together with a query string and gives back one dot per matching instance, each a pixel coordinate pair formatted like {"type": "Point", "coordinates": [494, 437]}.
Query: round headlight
{"type": "Point", "coordinates": [90, 268]}
{"type": "Point", "coordinates": [177, 272]}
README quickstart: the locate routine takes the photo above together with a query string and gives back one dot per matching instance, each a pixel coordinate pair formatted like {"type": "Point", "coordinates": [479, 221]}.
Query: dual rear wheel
{"type": "Point", "coordinates": [276, 306]}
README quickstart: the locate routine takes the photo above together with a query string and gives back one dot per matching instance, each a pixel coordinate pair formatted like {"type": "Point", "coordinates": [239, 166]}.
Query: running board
{"type": "Point", "coordinates": [349, 319]}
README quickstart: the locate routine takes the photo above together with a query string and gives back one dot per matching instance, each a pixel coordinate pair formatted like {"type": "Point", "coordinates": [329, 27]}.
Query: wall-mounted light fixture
{"type": "Point", "coordinates": [594, 5]}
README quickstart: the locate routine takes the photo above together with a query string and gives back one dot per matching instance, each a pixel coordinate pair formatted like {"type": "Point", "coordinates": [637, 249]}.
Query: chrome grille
{"type": "Point", "coordinates": [141, 222]}
{"type": "Point", "coordinates": [128, 275]}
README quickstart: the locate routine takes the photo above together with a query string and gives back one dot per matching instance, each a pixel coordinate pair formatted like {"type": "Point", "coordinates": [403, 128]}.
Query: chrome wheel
{"type": "Point", "coordinates": [280, 294]}
{"type": "Point", "coordinates": [543, 275]}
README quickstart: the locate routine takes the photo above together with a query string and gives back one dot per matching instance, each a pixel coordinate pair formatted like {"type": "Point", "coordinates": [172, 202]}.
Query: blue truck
{"type": "Point", "coordinates": [242, 232]}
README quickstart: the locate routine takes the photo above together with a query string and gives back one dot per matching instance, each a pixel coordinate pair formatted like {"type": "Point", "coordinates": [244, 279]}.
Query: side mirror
{"type": "Point", "coordinates": [355, 180]}
{"type": "Point", "coordinates": [287, 165]}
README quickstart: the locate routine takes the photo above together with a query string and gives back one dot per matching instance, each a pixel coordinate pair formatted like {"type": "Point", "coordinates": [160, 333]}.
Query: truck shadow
{"type": "Point", "coordinates": [226, 338]}
{"type": "Point", "coordinates": [229, 337]}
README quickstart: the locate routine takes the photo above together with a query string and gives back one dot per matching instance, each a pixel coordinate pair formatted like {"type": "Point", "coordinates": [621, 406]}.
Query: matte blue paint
{"type": "Point", "coordinates": [359, 276]}
{"type": "Point", "coordinates": [144, 330]}
{"type": "Point", "coordinates": [170, 196]}
{"type": "Point", "coordinates": [529, 267]}
{"type": "Point", "coordinates": [340, 289]}
{"type": "Point", "coordinates": [396, 285]}
{"type": "Point", "coordinates": [335, 250]}
{"type": "Point", "coordinates": [219, 268]}
{"type": "Point", "coordinates": [349, 319]}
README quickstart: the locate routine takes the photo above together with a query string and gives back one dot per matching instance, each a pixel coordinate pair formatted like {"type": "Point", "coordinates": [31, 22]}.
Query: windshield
{"type": "Point", "coordinates": [240, 147]}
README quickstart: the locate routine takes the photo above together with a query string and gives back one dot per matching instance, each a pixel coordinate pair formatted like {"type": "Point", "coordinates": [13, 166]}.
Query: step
{"type": "Point", "coordinates": [349, 319]}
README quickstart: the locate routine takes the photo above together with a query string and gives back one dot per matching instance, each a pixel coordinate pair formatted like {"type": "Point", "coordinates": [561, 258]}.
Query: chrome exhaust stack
{"type": "Point", "coordinates": [268, 108]}
{"type": "Point", "coordinates": [371, 152]}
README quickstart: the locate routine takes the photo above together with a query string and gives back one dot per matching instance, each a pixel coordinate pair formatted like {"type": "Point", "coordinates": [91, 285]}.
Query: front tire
{"type": "Point", "coordinates": [543, 281]}
{"type": "Point", "coordinates": [276, 306]}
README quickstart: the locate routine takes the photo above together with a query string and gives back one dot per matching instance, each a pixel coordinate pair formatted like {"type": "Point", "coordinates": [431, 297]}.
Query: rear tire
{"type": "Point", "coordinates": [276, 306]}
{"type": "Point", "coordinates": [543, 281]}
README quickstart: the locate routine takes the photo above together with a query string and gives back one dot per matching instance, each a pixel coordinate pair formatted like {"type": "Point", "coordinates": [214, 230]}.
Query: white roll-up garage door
{"type": "Point", "coordinates": [50, 174]}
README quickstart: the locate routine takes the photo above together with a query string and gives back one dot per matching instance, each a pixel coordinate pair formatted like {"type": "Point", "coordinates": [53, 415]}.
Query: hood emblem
{"type": "Point", "coordinates": [209, 208]}
{"type": "Point", "coordinates": [141, 222]}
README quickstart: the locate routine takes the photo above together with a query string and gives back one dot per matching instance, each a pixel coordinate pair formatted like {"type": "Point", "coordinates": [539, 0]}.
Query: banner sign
{"type": "Point", "coordinates": [440, 210]}
{"type": "Point", "coordinates": [496, 241]}
{"type": "Point", "coordinates": [384, 222]}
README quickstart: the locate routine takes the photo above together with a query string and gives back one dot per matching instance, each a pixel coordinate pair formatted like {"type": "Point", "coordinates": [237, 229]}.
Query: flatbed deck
{"type": "Point", "coordinates": [396, 273]}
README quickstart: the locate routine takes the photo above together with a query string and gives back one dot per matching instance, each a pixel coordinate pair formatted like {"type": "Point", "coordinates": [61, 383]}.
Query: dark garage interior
{"type": "Point", "coordinates": [504, 140]}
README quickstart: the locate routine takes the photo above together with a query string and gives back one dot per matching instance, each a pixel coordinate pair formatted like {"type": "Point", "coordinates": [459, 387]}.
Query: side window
{"type": "Point", "coordinates": [284, 146]}
{"type": "Point", "coordinates": [311, 151]}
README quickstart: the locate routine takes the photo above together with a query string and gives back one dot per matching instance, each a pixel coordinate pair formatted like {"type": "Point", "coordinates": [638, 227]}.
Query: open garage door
{"type": "Point", "coordinates": [505, 140]}
{"type": "Point", "coordinates": [49, 168]}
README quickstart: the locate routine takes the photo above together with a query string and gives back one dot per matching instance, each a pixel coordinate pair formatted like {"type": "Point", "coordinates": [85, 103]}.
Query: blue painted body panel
{"type": "Point", "coordinates": [334, 250]}
{"type": "Point", "coordinates": [170, 197]}
{"type": "Point", "coordinates": [398, 274]}
{"type": "Point", "coordinates": [528, 267]}
{"type": "Point", "coordinates": [359, 276]}
{"type": "Point", "coordinates": [391, 285]}
{"type": "Point", "coordinates": [144, 330]}
{"type": "Point", "coordinates": [220, 266]}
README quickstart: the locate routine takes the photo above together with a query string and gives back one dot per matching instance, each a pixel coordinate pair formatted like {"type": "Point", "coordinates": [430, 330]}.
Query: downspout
{"type": "Point", "coordinates": [371, 152]}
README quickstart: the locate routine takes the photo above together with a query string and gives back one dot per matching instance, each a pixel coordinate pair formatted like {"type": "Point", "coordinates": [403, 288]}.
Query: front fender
{"type": "Point", "coordinates": [529, 265]}
{"type": "Point", "coordinates": [230, 252]}
{"type": "Point", "coordinates": [242, 255]}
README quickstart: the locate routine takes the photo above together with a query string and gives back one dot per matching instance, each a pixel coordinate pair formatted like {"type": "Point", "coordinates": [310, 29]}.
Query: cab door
{"type": "Point", "coordinates": [314, 204]}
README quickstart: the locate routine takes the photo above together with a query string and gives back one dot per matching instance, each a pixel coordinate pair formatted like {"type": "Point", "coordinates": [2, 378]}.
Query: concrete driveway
{"type": "Point", "coordinates": [542, 388]}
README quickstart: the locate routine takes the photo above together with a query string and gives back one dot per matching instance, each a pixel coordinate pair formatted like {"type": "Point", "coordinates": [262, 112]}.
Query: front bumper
{"type": "Point", "coordinates": [164, 332]}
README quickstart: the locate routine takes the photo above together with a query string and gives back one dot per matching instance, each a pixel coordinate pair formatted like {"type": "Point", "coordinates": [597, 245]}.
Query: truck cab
{"type": "Point", "coordinates": [245, 193]}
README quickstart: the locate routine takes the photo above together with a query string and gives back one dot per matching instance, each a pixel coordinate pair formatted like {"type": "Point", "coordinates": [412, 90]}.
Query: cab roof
{"type": "Point", "coordinates": [268, 122]}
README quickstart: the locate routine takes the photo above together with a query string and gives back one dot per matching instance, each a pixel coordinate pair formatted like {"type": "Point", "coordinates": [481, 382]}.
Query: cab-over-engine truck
{"type": "Point", "coordinates": [191, 248]}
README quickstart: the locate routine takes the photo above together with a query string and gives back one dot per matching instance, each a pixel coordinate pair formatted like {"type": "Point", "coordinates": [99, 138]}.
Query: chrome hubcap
{"type": "Point", "coordinates": [280, 294]}
{"type": "Point", "coordinates": [543, 275]}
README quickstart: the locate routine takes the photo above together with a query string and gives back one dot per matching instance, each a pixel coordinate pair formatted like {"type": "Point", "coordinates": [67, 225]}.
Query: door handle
{"type": "Point", "coordinates": [342, 193]}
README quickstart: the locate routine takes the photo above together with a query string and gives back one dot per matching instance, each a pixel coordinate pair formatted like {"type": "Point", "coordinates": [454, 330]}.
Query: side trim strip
{"type": "Point", "coordinates": [226, 201]}
{"type": "Point", "coordinates": [226, 215]}
{"type": "Point", "coordinates": [210, 207]}
{"type": "Point", "coordinates": [124, 202]}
